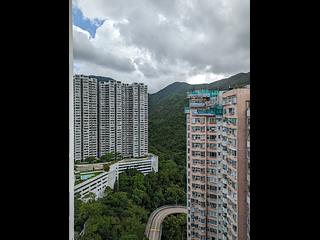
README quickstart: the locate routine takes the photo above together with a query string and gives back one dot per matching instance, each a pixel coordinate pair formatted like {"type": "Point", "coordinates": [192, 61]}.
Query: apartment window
{"type": "Point", "coordinates": [211, 129]}
{"type": "Point", "coordinates": [212, 154]}
{"type": "Point", "coordinates": [212, 188]}
{"type": "Point", "coordinates": [212, 205]}
{"type": "Point", "coordinates": [212, 213]}
{"type": "Point", "coordinates": [211, 137]}
{"type": "Point", "coordinates": [213, 196]}
{"type": "Point", "coordinates": [211, 145]}
{"type": "Point", "coordinates": [198, 128]}
{"type": "Point", "coordinates": [198, 153]}
{"type": "Point", "coordinates": [211, 170]}
{"type": "Point", "coordinates": [202, 213]}
{"type": "Point", "coordinates": [234, 153]}
{"type": "Point", "coordinates": [198, 145]}
{"type": "Point", "coordinates": [198, 120]}
{"type": "Point", "coordinates": [211, 221]}
{"type": "Point", "coordinates": [198, 136]}
{"type": "Point", "coordinates": [232, 121]}
{"type": "Point", "coordinates": [231, 111]}
{"type": "Point", "coordinates": [212, 120]}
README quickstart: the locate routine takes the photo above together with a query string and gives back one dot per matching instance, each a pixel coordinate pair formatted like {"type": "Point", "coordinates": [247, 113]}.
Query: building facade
{"type": "Point", "coordinates": [85, 117]}
{"type": "Point", "coordinates": [109, 117]}
{"type": "Point", "coordinates": [204, 185]}
{"type": "Point", "coordinates": [248, 170]}
{"type": "Point", "coordinates": [217, 164]}
{"type": "Point", "coordinates": [235, 150]}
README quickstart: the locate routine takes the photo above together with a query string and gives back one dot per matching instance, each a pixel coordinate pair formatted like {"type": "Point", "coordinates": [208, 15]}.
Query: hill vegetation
{"type": "Point", "coordinates": [122, 213]}
{"type": "Point", "coordinates": [167, 128]}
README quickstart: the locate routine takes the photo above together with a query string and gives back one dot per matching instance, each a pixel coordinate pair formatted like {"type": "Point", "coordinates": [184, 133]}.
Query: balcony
{"type": "Point", "coordinates": [217, 110]}
{"type": "Point", "coordinates": [197, 104]}
{"type": "Point", "coordinates": [234, 201]}
{"type": "Point", "coordinates": [232, 147]}
{"type": "Point", "coordinates": [224, 210]}
{"type": "Point", "coordinates": [210, 103]}
{"type": "Point", "coordinates": [223, 171]}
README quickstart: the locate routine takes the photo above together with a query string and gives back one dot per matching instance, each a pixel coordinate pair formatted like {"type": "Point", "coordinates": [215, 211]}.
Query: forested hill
{"type": "Point", "coordinates": [180, 88]}
{"type": "Point", "coordinates": [123, 212]}
{"type": "Point", "coordinates": [167, 120]}
{"type": "Point", "coordinates": [166, 116]}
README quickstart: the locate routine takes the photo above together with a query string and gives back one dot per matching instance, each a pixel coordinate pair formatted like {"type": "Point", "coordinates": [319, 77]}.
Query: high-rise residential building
{"type": "Point", "coordinates": [235, 143]}
{"type": "Point", "coordinates": [109, 117]}
{"type": "Point", "coordinates": [217, 164]}
{"type": "Point", "coordinates": [204, 176]}
{"type": "Point", "coordinates": [248, 170]}
{"type": "Point", "coordinates": [85, 117]}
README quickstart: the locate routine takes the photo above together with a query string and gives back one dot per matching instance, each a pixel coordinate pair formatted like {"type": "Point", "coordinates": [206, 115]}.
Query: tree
{"type": "Point", "coordinates": [122, 213]}
{"type": "Point", "coordinates": [90, 197]}
{"type": "Point", "coordinates": [111, 156]}
{"type": "Point", "coordinates": [129, 237]}
{"type": "Point", "coordinates": [106, 168]}
{"type": "Point", "coordinates": [174, 195]}
{"type": "Point", "coordinates": [108, 157]}
{"type": "Point", "coordinates": [118, 156]}
{"type": "Point", "coordinates": [91, 159]}
{"type": "Point", "coordinates": [91, 236]}
{"type": "Point", "coordinates": [174, 227]}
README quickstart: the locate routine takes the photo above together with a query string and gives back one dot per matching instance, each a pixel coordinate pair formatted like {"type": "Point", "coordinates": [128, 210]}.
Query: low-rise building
{"type": "Point", "coordinates": [98, 184]}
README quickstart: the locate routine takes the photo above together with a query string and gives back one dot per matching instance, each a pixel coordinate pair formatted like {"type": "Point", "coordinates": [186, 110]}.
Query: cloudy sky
{"type": "Point", "coordinates": [159, 42]}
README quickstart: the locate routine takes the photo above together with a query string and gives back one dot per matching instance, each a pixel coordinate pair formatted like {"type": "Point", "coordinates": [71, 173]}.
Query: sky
{"type": "Point", "coordinates": [159, 42]}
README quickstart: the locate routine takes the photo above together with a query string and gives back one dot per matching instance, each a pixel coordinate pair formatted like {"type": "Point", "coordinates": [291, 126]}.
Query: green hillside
{"type": "Point", "coordinates": [167, 119]}
{"type": "Point", "coordinates": [123, 212]}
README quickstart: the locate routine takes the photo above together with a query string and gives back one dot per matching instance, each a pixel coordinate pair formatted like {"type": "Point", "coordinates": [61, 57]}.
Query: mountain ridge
{"type": "Point", "coordinates": [167, 127]}
{"type": "Point", "coordinates": [217, 82]}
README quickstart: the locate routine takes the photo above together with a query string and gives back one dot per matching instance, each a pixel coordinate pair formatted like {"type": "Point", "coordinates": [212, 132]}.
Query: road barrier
{"type": "Point", "coordinates": [155, 212]}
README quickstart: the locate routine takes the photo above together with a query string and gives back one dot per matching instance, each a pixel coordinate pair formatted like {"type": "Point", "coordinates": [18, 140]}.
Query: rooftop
{"type": "Point", "coordinates": [203, 93]}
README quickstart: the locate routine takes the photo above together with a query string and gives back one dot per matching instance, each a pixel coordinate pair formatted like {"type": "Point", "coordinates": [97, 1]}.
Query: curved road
{"type": "Point", "coordinates": [153, 229]}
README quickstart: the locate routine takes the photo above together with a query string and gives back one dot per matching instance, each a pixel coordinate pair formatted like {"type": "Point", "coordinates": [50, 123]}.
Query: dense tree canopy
{"type": "Point", "coordinates": [174, 227]}
{"type": "Point", "coordinates": [91, 160]}
{"type": "Point", "coordinates": [123, 212]}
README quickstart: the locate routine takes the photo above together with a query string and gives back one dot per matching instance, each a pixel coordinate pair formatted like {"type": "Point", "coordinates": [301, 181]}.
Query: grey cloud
{"type": "Point", "coordinates": [148, 70]}
{"type": "Point", "coordinates": [224, 36]}
{"type": "Point", "coordinates": [84, 50]}
{"type": "Point", "coordinates": [192, 35]}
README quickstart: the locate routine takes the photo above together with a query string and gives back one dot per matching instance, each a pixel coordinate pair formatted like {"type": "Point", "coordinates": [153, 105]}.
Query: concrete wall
{"type": "Point", "coordinates": [89, 167]}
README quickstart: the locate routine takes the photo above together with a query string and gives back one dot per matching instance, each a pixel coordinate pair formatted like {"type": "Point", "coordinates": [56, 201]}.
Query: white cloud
{"type": "Point", "coordinates": [204, 78]}
{"type": "Point", "coordinates": [160, 42]}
